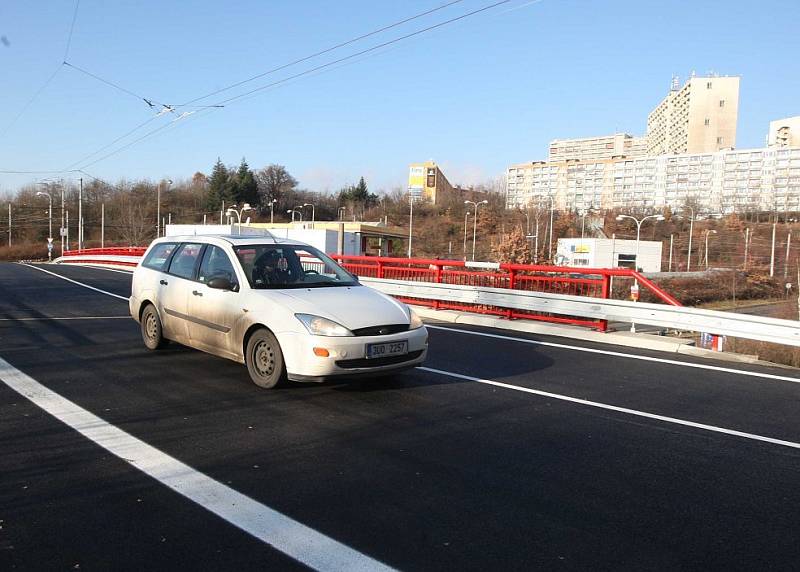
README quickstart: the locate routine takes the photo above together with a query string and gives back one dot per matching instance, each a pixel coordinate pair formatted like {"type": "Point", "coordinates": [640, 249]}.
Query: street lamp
{"type": "Point", "coordinates": [293, 211]}
{"type": "Point", "coordinates": [466, 216]}
{"type": "Point", "coordinates": [299, 209]}
{"type": "Point", "coordinates": [272, 210]}
{"type": "Point", "coordinates": [410, 220]}
{"type": "Point", "coordinates": [312, 212]}
{"type": "Point", "coordinates": [341, 212]}
{"type": "Point", "coordinates": [50, 220]}
{"type": "Point", "coordinates": [158, 206]}
{"type": "Point", "coordinates": [639, 231]}
{"type": "Point", "coordinates": [691, 231]}
{"type": "Point", "coordinates": [232, 211]}
{"type": "Point", "coordinates": [475, 222]}
{"type": "Point", "coordinates": [708, 231]}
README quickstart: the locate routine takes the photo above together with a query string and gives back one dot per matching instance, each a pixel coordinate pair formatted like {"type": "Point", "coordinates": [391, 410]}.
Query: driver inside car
{"type": "Point", "coordinates": [276, 267]}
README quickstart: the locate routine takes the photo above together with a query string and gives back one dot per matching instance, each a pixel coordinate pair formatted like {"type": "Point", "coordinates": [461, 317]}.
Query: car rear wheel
{"type": "Point", "coordinates": [152, 333]}
{"type": "Point", "coordinates": [264, 359]}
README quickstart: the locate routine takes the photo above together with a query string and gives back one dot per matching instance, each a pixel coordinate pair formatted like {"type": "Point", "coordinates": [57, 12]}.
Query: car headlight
{"type": "Point", "coordinates": [319, 326]}
{"type": "Point", "coordinates": [415, 321]}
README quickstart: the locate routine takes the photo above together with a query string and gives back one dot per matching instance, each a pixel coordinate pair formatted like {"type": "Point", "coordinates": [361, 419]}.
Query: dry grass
{"type": "Point", "coordinates": [24, 251]}
{"type": "Point", "coordinates": [775, 353]}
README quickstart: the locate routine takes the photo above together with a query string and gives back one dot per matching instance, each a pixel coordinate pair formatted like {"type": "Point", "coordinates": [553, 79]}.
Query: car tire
{"type": "Point", "coordinates": [152, 333]}
{"type": "Point", "coordinates": [264, 359]}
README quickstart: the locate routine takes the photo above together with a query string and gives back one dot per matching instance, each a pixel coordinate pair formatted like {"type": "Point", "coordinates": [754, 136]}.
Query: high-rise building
{"type": "Point", "coordinates": [699, 117]}
{"type": "Point", "coordinates": [592, 148]}
{"type": "Point", "coordinates": [723, 181]}
{"type": "Point", "coordinates": [784, 132]}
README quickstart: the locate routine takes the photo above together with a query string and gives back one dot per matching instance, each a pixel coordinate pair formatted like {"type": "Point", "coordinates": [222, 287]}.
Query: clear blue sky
{"type": "Point", "coordinates": [475, 96]}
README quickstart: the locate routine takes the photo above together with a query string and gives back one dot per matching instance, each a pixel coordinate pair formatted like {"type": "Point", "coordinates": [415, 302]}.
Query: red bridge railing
{"type": "Point", "coordinates": [110, 251]}
{"type": "Point", "coordinates": [589, 282]}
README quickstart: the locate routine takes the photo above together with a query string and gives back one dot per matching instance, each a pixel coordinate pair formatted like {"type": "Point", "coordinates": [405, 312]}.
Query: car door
{"type": "Point", "coordinates": [176, 286]}
{"type": "Point", "coordinates": [213, 311]}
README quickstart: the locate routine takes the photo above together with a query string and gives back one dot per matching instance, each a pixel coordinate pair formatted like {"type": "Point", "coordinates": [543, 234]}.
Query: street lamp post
{"type": "Point", "coordinates": [706, 255]}
{"type": "Point", "coordinates": [639, 231]}
{"type": "Point", "coordinates": [466, 216]}
{"type": "Point", "coordinates": [475, 222]}
{"type": "Point", "coordinates": [293, 211]}
{"type": "Point", "coordinates": [232, 211]}
{"type": "Point", "coordinates": [691, 232]}
{"type": "Point", "coordinates": [638, 234]}
{"type": "Point", "coordinates": [410, 221]}
{"type": "Point", "coordinates": [272, 210]}
{"type": "Point", "coordinates": [50, 222]}
{"type": "Point", "coordinates": [158, 206]}
{"type": "Point", "coordinates": [313, 217]}
{"type": "Point", "coordinates": [299, 209]}
{"type": "Point", "coordinates": [341, 212]}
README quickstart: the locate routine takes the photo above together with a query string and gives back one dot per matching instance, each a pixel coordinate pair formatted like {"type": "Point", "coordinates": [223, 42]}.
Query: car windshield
{"type": "Point", "coordinates": [271, 266]}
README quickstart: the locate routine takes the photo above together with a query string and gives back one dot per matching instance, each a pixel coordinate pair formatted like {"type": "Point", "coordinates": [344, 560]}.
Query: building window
{"type": "Point", "coordinates": [708, 85]}
{"type": "Point", "coordinates": [722, 103]}
{"type": "Point", "coordinates": [719, 140]}
{"type": "Point", "coordinates": [707, 122]}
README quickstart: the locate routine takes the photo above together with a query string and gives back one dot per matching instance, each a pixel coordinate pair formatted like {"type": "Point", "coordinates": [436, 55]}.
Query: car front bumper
{"type": "Point", "coordinates": [347, 357]}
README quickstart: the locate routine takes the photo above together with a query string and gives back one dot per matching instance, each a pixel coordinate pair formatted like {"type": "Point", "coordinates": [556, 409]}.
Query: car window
{"type": "Point", "coordinates": [290, 266]}
{"type": "Point", "coordinates": [158, 256]}
{"type": "Point", "coordinates": [215, 264]}
{"type": "Point", "coordinates": [185, 260]}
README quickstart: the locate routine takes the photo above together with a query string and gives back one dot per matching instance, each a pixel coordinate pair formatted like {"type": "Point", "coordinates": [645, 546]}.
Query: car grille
{"type": "Point", "coordinates": [377, 362]}
{"type": "Point", "coordinates": [381, 330]}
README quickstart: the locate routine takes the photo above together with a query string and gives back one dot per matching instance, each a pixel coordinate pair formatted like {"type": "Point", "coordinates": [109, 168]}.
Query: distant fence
{"type": "Point", "coordinates": [557, 280]}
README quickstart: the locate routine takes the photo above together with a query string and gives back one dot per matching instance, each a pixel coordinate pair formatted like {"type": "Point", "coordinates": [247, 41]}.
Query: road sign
{"type": "Point", "coordinates": [63, 232]}
{"type": "Point", "coordinates": [50, 241]}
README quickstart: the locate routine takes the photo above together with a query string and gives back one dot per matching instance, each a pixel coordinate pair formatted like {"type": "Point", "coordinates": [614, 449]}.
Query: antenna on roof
{"type": "Point", "coordinates": [675, 85]}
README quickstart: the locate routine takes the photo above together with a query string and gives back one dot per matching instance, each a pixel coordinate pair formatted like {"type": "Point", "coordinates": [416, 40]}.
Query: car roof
{"type": "Point", "coordinates": [232, 239]}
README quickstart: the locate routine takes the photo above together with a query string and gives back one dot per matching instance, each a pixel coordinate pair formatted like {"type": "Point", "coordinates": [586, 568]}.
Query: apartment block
{"type": "Point", "coordinates": [595, 148]}
{"type": "Point", "coordinates": [426, 182]}
{"type": "Point", "coordinates": [784, 132]}
{"type": "Point", "coordinates": [723, 181]}
{"type": "Point", "coordinates": [699, 117]}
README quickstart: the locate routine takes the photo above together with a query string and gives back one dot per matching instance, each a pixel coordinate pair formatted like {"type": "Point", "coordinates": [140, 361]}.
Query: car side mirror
{"type": "Point", "coordinates": [222, 283]}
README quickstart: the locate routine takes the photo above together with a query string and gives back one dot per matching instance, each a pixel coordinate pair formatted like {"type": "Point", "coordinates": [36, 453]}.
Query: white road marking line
{"type": "Point", "coordinates": [45, 319]}
{"type": "Point", "coordinates": [76, 282]}
{"type": "Point", "coordinates": [635, 412]}
{"type": "Point", "coordinates": [621, 354]}
{"type": "Point", "coordinates": [118, 271]}
{"type": "Point", "coordinates": [296, 540]}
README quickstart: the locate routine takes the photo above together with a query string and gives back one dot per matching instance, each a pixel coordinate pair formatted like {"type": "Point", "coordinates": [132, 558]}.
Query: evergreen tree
{"type": "Point", "coordinates": [245, 186]}
{"type": "Point", "coordinates": [218, 187]}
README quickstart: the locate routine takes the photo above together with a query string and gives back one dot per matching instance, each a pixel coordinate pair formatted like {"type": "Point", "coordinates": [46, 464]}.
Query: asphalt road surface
{"type": "Point", "coordinates": [507, 451]}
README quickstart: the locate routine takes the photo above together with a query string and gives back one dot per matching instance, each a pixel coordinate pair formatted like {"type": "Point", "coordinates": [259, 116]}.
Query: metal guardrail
{"type": "Point", "coordinates": [680, 318]}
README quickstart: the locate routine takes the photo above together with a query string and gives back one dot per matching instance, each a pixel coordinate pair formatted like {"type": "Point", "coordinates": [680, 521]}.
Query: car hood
{"type": "Point", "coordinates": [351, 306]}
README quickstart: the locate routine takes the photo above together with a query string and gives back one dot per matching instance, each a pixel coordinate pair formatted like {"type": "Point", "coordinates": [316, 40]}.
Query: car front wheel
{"type": "Point", "coordinates": [264, 359]}
{"type": "Point", "coordinates": [152, 333]}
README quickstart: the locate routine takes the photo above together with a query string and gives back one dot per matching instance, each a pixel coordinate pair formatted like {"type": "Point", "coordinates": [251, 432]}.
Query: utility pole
{"type": "Point", "coordinates": [786, 264]}
{"type": "Point", "coordinates": [62, 230]}
{"type": "Point", "coordinates": [66, 230]}
{"type": "Point", "coordinates": [772, 251]}
{"type": "Point", "coordinates": [103, 225]}
{"type": "Point", "coordinates": [691, 232]}
{"type": "Point", "coordinates": [80, 214]}
{"type": "Point", "coordinates": [466, 216]}
{"type": "Point", "coordinates": [410, 221]}
{"type": "Point", "coordinates": [746, 246]}
{"type": "Point", "coordinates": [671, 237]}
{"type": "Point", "coordinates": [9, 225]}
{"type": "Point", "coordinates": [552, 208]}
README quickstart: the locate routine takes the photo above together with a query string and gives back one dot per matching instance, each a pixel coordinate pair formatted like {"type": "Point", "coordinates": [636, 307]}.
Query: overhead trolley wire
{"type": "Point", "coordinates": [315, 69]}
{"type": "Point", "coordinates": [322, 52]}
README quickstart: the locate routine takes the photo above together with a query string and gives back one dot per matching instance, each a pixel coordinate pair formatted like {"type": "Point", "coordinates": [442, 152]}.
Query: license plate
{"type": "Point", "coordinates": [387, 349]}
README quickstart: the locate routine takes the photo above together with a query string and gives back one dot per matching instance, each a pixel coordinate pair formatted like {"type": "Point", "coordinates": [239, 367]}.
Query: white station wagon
{"type": "Point", "coordinates": [281, 307]}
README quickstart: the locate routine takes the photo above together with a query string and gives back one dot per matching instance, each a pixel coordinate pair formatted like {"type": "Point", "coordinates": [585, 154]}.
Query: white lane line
{"type": "Point", "coordinates": [76, 282]}
{"type": "Point", "coordinates": [608, 407]}
{"type": "Point", "coordinates": [296, 540]}
{"type": "Point", "coordinates": [621, 354]}
{"type": "Point", "coordinates": [45, 319]}
{"type": "Point", "coordinates": [118, 271]}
